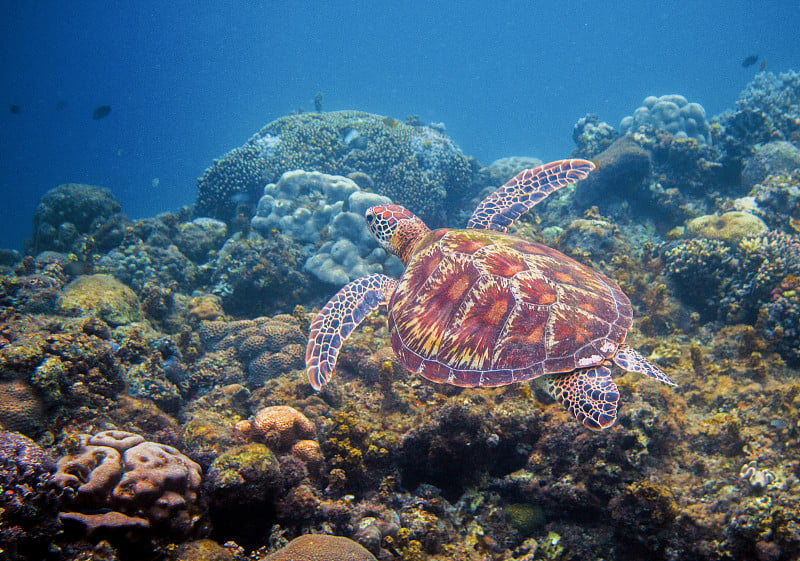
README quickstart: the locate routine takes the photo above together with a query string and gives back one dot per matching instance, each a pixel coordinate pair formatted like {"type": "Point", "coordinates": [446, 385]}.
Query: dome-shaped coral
{"type": "Point", "coordinates": [320, 547]}
{"type": "Point", "coordinates": [281, 426]}
{"type": "Point", "coordinates": [730, 226]}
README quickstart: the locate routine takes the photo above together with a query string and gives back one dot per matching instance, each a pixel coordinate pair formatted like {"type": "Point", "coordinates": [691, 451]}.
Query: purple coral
{"type": "Point", "coordinates": [28, 506]}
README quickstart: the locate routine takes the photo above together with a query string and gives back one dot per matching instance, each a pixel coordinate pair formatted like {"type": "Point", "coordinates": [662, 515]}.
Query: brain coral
{"type": "Point", "coordinates": [320, 547]}
{"type": "Point", "coordinates": [670, 113]}
{"type": "Point", "coordinates": [282, 426]}
{"type": "Point", "coordinates": [416, 166]}
{"type": "Point", "coordinates": [116, 479]}
{"type": "Point", "coordinates": [326, 213]}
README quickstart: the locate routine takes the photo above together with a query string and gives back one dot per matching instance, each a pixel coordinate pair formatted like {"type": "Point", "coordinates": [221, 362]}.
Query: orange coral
{"type": "Point", "coordinates": [309, 452]}
{"type": "Point", "coordinates": [282, 426]}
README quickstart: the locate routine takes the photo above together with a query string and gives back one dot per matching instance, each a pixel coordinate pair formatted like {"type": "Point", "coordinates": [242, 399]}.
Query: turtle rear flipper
{"type": "Point", "coordinates": [337, 320]}
{"type": "Point", "coordinates": [499, 210]}
{"type": "Point", "coordinates": [631, 360]}
{"type": "Point", "coordinates": [589, 394]}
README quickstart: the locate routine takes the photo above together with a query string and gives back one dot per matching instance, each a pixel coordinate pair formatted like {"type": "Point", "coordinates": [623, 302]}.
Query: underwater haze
{"type": "Point", "coordinates": [187, 81]}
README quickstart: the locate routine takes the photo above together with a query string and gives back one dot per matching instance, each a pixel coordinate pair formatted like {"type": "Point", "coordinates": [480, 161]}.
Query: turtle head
{"type": "Point", "coordinates": [397, 229]}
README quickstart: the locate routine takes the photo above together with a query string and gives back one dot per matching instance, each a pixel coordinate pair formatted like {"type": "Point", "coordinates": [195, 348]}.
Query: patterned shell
{"type": "Point", "coordinates": [482, 308]}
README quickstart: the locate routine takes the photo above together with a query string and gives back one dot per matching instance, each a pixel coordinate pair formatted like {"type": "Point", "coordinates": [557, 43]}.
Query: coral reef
{"type": "Point", "coordinates": [200, 237]}
{"type": "Point", "coordinates": [117, 484]}
{"type": "Point", "coordinates": [592, 136]}
{"type": "Point", "coordinates": [66, 212]}
{"type": "Point", "coordinates": [730, 226]}
{"type": "Point", "coordinates": [255, 275]}
{"type": "Point", "coordinates": [101, 296]}
{"type": "Point", "coordinates": [623, 168]}
{"type": "Point", "coordinates": [504, 169]}
{"type": "Point", "coordinates": [777, 200]}
{"type": "Point", "coordinates": [188, 330]}
{"type": "Point", "coordinates": [319, 547]}
{"type": "Point", "coordinates": [28, 506]}
{"type": "Point", "coordinates": [22, 410]}
{"type": "Point", "coordinates": [266, 347]}
{"type": "Point", "coordinates": [326, 214]}
{"type": "Point", "coordinates": [73, 369]}
{"type": "Point", "coordinates": [671, 114]}
{"type": "Point", "coordinates": [771, 103]}
{"type": "Point", "coordinates": [770, 158]}
{"type": "Point", "coordinates": [417, 166]}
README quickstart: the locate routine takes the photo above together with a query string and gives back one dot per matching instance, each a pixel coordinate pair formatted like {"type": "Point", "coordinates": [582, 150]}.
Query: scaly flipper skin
{"type": "Point", "coordinates": [340, 316]}
{"type": "Point", "coordinates": [589, 394]}
{"type": "Point", "coordinates": [631, 360]}
{"type": "Point", "coordinates": [499, 210]}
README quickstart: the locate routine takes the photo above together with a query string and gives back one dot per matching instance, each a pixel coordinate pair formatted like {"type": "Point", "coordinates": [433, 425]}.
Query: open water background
{"type": "Point", "coordinates": [188, 81]}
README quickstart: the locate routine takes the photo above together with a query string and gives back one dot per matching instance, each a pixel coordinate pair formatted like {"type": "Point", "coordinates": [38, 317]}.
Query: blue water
{"type": "Point", "coordinates": [188, 81]}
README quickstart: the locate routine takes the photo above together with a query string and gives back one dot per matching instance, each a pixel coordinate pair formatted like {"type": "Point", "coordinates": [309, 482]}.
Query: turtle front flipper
{"type": "Point", "coordinates": [589, 394]}
{"type": "Point", "coordinates": [499, 210]}
{"type": "Point", "coordinates": [340, 316]}
{"type": "Point", "coordinates": [631, 360]}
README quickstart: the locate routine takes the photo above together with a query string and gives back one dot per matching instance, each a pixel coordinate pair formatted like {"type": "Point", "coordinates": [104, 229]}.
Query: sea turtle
{"type": "Point", "coordinates": [480, 307]}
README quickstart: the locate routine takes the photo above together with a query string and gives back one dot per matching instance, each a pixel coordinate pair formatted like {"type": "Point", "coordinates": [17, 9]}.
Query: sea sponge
{"type": "Point", "coordinates": [281, 426]}
{"type": "Point", "coordinates": [730, 226]}
{"type": "Point", "coordinates": [321, 547]}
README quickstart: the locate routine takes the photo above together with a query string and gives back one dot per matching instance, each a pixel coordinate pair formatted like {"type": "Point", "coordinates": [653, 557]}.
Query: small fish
{"type": "Point", "coordinates": [155, 182]}
{"type": "Point", "coordinates": [101, 112]}
{"type": "Point", "coordinates": [750, 61]}
{"type": "Point", "coordinates": [763, 65]}
{"type": "Point", "coordinates": [15, 109]}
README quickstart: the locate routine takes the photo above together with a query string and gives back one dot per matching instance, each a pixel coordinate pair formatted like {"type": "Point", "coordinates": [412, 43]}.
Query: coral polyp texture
{"type": "Point", "coordinates": [326, 214]}
{"type": "Point", "coordinates": [282, 427]}
{"type": "Point", "coordinates": [321, 547]}
{"type": "Point", "coordinates": [266, 347]}
{"type": "Point", "coordinates": [416, 165]}
{"type": "Point", "coordinates": [116, 482]}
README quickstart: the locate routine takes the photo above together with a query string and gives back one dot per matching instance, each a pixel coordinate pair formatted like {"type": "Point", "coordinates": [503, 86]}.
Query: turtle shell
{"type": "Point", "coordinates": [483, 308]}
